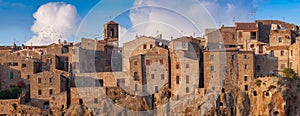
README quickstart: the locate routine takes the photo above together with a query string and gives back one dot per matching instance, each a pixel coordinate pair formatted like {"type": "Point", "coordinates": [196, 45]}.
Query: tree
{"type": "Point", "coordinates": [290, 73]}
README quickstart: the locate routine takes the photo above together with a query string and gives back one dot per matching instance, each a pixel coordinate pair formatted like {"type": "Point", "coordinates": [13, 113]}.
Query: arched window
{"type": "Point", "coordinates": [111, 32]}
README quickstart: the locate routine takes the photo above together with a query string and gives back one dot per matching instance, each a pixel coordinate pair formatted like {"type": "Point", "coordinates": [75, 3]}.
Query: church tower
{"type": "Point", "coordinates": [111, 33]}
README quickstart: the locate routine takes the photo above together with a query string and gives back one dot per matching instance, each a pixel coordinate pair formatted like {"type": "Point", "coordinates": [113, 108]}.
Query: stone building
{"type": "Point", "coordinates": [228, 69]}
{"type": "Point", "coordinates": [186, 67]}
{"type": "Point", "coordinates": [43, 88]}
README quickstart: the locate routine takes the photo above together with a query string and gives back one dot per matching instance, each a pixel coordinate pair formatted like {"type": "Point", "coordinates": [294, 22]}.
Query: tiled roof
{"type": "Point", "coordinates": [246, 26]}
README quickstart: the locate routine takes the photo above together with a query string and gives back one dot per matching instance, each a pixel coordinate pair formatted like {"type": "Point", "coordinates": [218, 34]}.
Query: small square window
{"type": "Point", "coordinates": [187, 89]}
{"type": "Point", "coordinates": [212, 68]}
{"type": "Point", "coordinates": [135, 63]}
{"type": "Point", "coordinates": [245, 66]}
{"type": "Point", "coordinates": [161, 61]}
{"type": "Point", "coordinates": [187, 65]}
{"type": "Point", "coordinates": [187, 79]}
{"type": "Point", "coordinates": [156, 89]}
{"type": "Point", "coordinates": [23, 65]}
{"type": "Point", "coordinates": [177, 66]}
{"type": "Point", "coordinates": [50, 91]}
{"type": "Point", "coordinates": [50, 80]}
{"type": "Point", "coordinates": [148, 62]}
{"type": "Point", "coordinates": [95, 100]}
{"type": "Point", "coordinates": [177, 79]}
{"type": "Point", "coordinates": [245, 78]}
{"type": "Point", "coordinates": [39, 80]}
{"type": "Point", "coordinates": [151, 46]}
{"type": "Point", "coordinates": [281, 53]}
{"type": "Point", "coordinates": [152, 76]}
{"type": "Point", "coordinates": [162, 77]}
{"type": "Point", "coordinates": [39, 92]}
{"type": "Point", "coordinates": [145, 46]}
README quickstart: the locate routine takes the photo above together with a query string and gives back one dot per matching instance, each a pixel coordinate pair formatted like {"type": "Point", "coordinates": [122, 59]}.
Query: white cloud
{"type": "Point", "coordinates": [171, 18]}
{"type": "Point", "coordinates": [189, 17]}
{"type": "Point", "coordinates": [53, 21]}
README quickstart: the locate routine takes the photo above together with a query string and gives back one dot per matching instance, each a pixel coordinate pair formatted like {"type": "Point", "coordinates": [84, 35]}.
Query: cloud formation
{"type": "Point", "coordinates": [176, 18]}
{"type": "Point", "coordinates": [53, 21]}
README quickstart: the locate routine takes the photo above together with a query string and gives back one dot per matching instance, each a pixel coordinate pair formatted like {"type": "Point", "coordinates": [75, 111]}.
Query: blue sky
{"type": "Point", "coordinates": [17, 15]}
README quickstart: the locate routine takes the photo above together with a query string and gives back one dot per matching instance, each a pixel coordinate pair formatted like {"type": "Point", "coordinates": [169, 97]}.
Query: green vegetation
{"type": "Point", "coordinates": [290, 73]}
{"type": "Point", "coordinates": [271, 87]}
{"type": "Point", "coordinates": [13, 93]}
{"type": "Point", "coordinates": [14, 105]}
{"type": "Point", "coordinates": [258, 83]}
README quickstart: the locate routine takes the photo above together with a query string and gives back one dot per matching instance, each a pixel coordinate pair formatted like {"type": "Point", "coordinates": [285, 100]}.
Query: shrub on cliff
{"type": "Point", "coordinates": [289, 73]}
{"type": "Point", "coordinates": [258, 82]}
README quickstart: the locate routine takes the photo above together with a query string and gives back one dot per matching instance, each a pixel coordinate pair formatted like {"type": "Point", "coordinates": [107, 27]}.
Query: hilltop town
{"type": "Point", "coordinates": [250, 68]}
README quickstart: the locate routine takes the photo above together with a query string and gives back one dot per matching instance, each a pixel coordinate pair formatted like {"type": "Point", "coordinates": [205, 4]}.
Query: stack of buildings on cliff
{"type": "Point", "coordinates": [56, 77]}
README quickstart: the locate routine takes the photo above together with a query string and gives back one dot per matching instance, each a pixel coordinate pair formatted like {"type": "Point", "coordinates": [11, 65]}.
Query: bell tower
{"type": "Point", "coordinates": [111, 30]}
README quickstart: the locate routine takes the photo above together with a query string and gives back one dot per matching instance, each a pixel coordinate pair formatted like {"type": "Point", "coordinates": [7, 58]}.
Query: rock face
{"type": "Point", "coordinates": [271, 96]}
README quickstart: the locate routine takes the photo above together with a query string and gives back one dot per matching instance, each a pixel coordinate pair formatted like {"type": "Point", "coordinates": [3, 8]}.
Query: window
{"type": "Point", "coordinates": [282, 66]}
{"type": "Point", "coordinates": [245, 66]}
{"type": "Point", "coordinates": [187, 79]}
{"type": "Point", "coordinates": [145, 46]}
{"type": "Point", "coordinates": [246, 87]}
{"type": "Point", "coordinates": [50, 80]}
{"type": "Point", "coordinates": [280, 40]}
{"type": "Point", "coordinates": [99, 83]}
{"type": "Point", "coordinates": [95, 100]}
{"type": "Point", "coordinates": [148, 62]}
{"type": "Point", "coordinates": [292, 53]}
{"type": "Point", "coordinates": [156, 89]}
{"type": "Point", "coordinates": [39, 92]}
{"type": "Point", "coordinates": [252, 46]}
{"type": "Point", "coordinates": [50, 92]}
{"type": "Point", "coordinates": [28, 76]}
{"type": "Point", "coordinates": [281, 53]}
{"type": "Point", "coordinates": [240, 34]}
{"type": "Point", "coordinates": [253, 35]}
{"type": "Point", "coordinates": [135, 63]}
{"type": "Point", "coordinates": [272, 53]}
{"type": "Point", "coordinates": [162, 77]}
{"type": "Point", "coordinates": [151, 46]}
{"type": "Point", "coordinates": [177, 79]}
{"type": "Point", "coordinates": [212, 68]}
{"type": "Point", "coordinates": [212, 57]}
{"type": "Point", "coordinates": [152, 76]}
{"type": "Point", "coordinates": [245, 78]}
{"type": "Point", "coordinates": [258, 67]}
{"type": "Point", "coordinates": [15, 64]}
{"type": "Point", "coordinates": [187, 89]}
{"type": "Point", "coordinates": [11, 75]}
{"type": "Point", "coordinates": [136, 76]}
{"type": "Point", "coordinates": [187, 65]}
{"type": "Point", "coordinates": [161, 61]}
{"type": "Point", "coordinates": [177, 66]}
{"type": "Point", "coordinates": [232, 57]}
{"type": "Point", "coordinates": [39, 80]}
{"type": "Point", "coordinates": [23, 65]}
{"type": "Point", "coordinates": [245, 56]}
